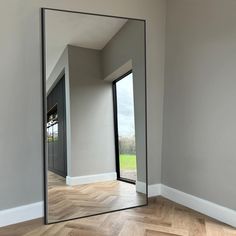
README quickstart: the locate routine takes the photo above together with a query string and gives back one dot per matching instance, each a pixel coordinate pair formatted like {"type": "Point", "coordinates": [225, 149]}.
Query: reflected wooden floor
{"type": "Point", "coordinates": [66, 202]}
{"type": "Point", "coordinates": [160, 218]}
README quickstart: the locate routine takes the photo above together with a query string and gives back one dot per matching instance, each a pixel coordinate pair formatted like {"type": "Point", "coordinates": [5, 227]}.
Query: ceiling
{"type": "Point", "coordinates": [83, 30]}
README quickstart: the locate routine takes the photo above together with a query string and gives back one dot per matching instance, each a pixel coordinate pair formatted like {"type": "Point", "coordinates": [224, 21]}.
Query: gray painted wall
{"type": "Point", "coordinates": [91, 106]}
{"type": "Point", "coordinates": [90, 128]}
{"type": "Point", "coordinates": [126, 45]}
{"type": "Point", "coordinates": [21, 175]}
{"type": "Point", "coordinates": [199, 112]}
{"type": "Point", "coordinates": [62, 67]}
{"type": "Point", "coordinates": [200, 30]}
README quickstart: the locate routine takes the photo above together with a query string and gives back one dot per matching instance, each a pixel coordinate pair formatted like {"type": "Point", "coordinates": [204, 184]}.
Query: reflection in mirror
{"type": "Point", "coordinates": [95, 114]}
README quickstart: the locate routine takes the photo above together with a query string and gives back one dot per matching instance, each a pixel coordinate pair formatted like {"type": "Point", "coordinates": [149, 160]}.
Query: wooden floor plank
{"type": "Point", "coordinates": [68, 202]}
{"type": "Point", "coordinates": [160, 218]}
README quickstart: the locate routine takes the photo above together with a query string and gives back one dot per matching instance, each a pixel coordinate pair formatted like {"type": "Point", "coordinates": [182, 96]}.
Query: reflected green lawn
{"type": "Point", "coordinates": [127, 162]}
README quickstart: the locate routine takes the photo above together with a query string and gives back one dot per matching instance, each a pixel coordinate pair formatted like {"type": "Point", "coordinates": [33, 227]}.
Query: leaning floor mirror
{"type": "Point", "coordinates": [94, 91]}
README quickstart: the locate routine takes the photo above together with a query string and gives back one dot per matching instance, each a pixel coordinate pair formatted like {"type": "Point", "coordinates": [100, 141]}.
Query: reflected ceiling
{"type": "Point", "coordinates": [78, 30]}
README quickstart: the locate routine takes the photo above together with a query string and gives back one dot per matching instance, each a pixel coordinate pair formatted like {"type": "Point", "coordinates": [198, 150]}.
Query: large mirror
{"type": "Point", "coordinates": [94, 114]}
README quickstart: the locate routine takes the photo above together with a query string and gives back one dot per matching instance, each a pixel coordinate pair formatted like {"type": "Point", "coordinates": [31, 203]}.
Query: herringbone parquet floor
{"type": "Point", "coordinates": [68, 202]}
{"type": "Point", "coordinates": [160, 218]}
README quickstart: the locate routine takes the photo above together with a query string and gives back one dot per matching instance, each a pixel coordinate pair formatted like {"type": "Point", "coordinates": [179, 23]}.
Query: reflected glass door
{"type": "Point", "coordinates": [125, 128]}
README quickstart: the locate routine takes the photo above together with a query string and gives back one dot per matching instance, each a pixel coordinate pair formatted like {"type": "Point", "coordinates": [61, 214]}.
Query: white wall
{"type": "Point", "coordinates": [200, 93]}
{"type": "Point", "coordinates": [21, 166]}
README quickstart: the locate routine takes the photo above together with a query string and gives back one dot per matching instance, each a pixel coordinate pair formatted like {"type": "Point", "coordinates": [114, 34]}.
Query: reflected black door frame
{"type": "Point", "coordinates": [116, 132]}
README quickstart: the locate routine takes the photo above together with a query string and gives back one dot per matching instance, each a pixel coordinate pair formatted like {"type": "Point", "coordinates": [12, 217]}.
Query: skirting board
{"type": "Point", "coordinates": [213, 210]}
{"type": "Point", "coordinates": [21, 214]}
{"type": "Point", "coordinates": [87, 179]}
{"type": "Point", "coordinates": [223, 214]}
{"type": "Point", "coordinates": [153, 190]}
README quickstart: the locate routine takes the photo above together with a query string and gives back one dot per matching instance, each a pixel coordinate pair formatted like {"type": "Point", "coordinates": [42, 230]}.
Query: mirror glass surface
{"type": "Point", "coordinates": [95, 114]}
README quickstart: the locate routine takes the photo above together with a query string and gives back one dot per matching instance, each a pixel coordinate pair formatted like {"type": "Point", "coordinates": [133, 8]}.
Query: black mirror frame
{"type": "Point", "coordinates": [44, 106]}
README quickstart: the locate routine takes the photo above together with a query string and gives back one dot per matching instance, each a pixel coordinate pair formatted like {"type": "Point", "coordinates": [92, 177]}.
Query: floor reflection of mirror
{"type": "Point", "coordinates": [88, 199]}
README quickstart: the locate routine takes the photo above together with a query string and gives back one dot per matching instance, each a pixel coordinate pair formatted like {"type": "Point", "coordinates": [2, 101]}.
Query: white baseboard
{"type": "Point", "coordinates": [21, 214]}
{"type": "Point", "coordinates": [153, 190]}
{"type": "Point", "coordinates": [223, 214]}
{"type": "Point", "coordinates": [87, 179]}
{"type": "Point", "coordinates": [141, 187]}
{"type": "Point", "coordinates": [208, 208]}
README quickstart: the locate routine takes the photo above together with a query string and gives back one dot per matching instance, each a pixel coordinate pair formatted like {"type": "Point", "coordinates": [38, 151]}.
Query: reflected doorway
{"type": "Point", "coordinates": [126, 164]}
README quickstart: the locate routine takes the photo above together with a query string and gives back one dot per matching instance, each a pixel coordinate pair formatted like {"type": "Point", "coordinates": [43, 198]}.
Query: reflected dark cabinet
{"type": "Point", "coordinates": [56, 129]}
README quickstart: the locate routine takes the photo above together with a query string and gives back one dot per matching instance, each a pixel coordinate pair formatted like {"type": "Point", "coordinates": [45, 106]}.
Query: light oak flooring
{"type": "Point", "coordinates": [128, 174]}
{"type": "Point", "coordinates": [68, 202]}
{"type": "Point", "coordinates": [160, 218]}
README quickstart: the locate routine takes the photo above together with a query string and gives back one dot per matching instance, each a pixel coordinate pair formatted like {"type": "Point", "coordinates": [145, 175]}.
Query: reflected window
{"type": "Point", "coordinates": [52, 125]}
{"type": "Point", "coordinates": [125, 128]}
